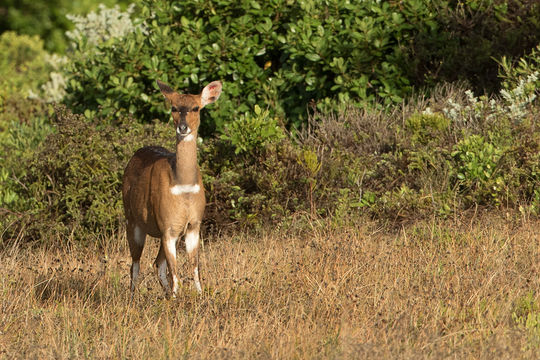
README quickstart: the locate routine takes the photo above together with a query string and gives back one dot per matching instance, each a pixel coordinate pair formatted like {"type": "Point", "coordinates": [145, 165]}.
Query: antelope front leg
{"type": "Point", "coordinates": [192, 248]}
{"type": "Point", "coordinates": [161, 270]}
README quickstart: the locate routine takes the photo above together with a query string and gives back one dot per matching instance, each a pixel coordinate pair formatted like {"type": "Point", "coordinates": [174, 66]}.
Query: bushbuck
{"type": "Point", "coordinates": [163, 192]}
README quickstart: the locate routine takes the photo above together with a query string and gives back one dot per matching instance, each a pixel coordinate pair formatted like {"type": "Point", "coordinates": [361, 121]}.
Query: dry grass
{"type": "Point", "coordinates": [434, 290]}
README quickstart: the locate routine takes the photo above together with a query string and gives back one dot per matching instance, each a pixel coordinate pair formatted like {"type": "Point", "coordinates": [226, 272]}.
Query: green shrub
{"type": "Point", "coordinates": [472, 36]}
{"type": "Point", "coordinates": [23, 68]}
{"type": "Point", "coordinates": [426, 127]}
{"type": "Point", "coordinates": [513, 73]}
{"type": "Point", "coordinates": [74, 179]}
{"type": "Point", "coordinates": [395, 167]}
{"type": "Point", "coordinates": [185, 44]}
{"type": "Point", "coordinates": [45, 18]}
{"type": "Point", "coordinates": [252, 133]}
{"type": "Point", "coordinates": [437, 156]}
{"type": "Point", "coordinates": [278, 54]}
{"type": "Point", "coordinates": [23, 124]}
{"type": "Point", "coordinates": [251, 188]}
{"type": "Point", "coordinates": [477, 169]}
{"type": "Point", "coordinates": [18, 144]}
{"type": "Point", "coordinates": [283, 55]}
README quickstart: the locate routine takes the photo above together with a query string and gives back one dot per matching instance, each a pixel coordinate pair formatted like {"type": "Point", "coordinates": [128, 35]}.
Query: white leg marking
{"type": "Point", "coordinates": [175, 285]}
{"type": "Point", "coordinates": [185, 189]}
{"type": "Point", "coordinates": [192, 241]}
{"type": "Point", "coordinates": [197, 282]}
{"type": "Point", "coordinates": [171, 246]}
{"type": "Point", "coordinates": [138, 236]}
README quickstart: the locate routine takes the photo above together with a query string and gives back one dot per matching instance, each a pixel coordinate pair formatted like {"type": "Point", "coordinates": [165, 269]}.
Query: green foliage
{"type": "Point", "coordinates": [252, 188]}
{"type": "Point", "coordinates": [74, 180]}
{"type": "Point", "coordinates": [512, 73]}
{"type": "Point", "coordinates": [426, 127]}
{"type": "Point", "coordinates": [23, 67]}
{"type": "Point", "coordinates": [526, 315]}
{"type": "Point", "coordinates": [186, 45]}
{"type": "Point", "coordinates": [18, 144]}
{"type": "Point", "coordinates": [7, 195]}
{"type": "Point", "coordinates": [477, 167]}
{"type": "Point", "coordinates": [23, 125]}
{"type": "Point", "coordinates": [250, 134]}
{"type": "Point", "coordinates": [44, 18]}
{"type": "Point", "coordinates": [417, 161]}
{"type": "Point", "coordinates": [283, 55]}
{"type": "Point", "coordinates": [352, 51]}
{"type": "Point", "coordinates": [343, 166]}
{"type": "Point", "coordinates": [472, 35]}
{"type": "Point", "coordinates": [20, 54]}
{"type": "Point", "coordinates": [521, 81]}
{"type": "Point", "coordinates": [438, 155]}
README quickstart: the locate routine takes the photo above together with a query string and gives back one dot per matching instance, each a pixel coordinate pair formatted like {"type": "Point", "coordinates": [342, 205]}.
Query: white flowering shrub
{"type": "Point", "coordinates": [91, 30]}
{"type": "Point", "coordinates": [492, 141]}
{"type": "Point", "coordinates": [98, 27]}
{"type": "Point", "coordinates": [513, 102]}
{"type": "Point", "coordinates": [473, 109]}
{"type": "Point", "coordinates": [54, 89]}
{"type": "Point", "coordinates": [518, 99]}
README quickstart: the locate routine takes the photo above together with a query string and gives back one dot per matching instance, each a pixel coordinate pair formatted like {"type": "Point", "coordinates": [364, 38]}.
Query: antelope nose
{"type": "Point", "coordinates": [182, 128]}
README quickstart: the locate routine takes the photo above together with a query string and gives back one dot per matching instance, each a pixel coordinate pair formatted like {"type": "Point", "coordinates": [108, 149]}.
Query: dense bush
{"type": "Point", "coordinates": [296, 53]}
{"type": "Point", "coordinates": [437, 156]}
{"type": "Point", "coordinates": [23, 68]}
{"type": "Point", "coordinates": [284, 55]}
{"type": "Point", "coordinates": [73, 180]}
{"type": "Point", "coordinates": [484, 155]}
{"type": "Point", "coordinates": [472, 37]}
{"type": "Point", "coordinates": [251, 173]}
{"type": "Point", "coordinates": [399, 166]}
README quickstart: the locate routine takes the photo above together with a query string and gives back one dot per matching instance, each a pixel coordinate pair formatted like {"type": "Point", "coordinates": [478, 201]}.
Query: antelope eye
{"type": "Point", "coordinates": [174, 109]}
{"type": "Point", "coordinates": [195, 109]}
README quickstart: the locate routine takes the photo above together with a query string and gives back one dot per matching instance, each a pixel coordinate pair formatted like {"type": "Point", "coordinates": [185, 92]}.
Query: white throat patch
{"type": "Point", "coordinates": [185, 189]}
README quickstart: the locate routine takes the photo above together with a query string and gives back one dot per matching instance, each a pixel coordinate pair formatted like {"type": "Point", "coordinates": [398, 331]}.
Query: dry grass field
{"type": "Point", "coordinates": [435, 289]}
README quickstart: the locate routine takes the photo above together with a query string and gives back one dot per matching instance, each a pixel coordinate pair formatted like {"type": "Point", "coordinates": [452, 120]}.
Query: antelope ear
{"type": "Point", "coordinates": [165, 89]}
{"type": "Point", "coordinates": [211, 93]}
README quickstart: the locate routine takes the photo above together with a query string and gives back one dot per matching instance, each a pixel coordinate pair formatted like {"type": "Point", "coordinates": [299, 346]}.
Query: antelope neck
{"type": "Point", "coordinates": [186, 161]}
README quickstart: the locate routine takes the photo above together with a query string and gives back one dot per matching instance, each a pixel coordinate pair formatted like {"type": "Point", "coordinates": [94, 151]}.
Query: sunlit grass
{"type": "Point", "coordinates": [433, 289]}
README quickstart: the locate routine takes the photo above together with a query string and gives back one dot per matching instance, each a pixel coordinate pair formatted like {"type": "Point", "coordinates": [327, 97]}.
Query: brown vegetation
{"type": "Point", "coordinates": [434, 289]}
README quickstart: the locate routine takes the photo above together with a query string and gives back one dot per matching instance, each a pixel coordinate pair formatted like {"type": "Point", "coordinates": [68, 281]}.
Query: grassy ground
{"type": "Point", "coordinates": [434, 289]}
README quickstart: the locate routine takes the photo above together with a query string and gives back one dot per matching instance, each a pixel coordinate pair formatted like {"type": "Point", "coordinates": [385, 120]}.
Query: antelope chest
{"type": "Point", "coordinates": [186, 204]}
